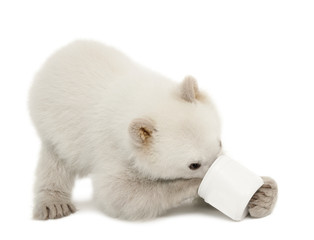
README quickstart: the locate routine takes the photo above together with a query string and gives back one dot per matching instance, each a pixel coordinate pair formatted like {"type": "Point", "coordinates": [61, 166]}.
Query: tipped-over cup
{"type": "Point", "coordinates": [228, 186]}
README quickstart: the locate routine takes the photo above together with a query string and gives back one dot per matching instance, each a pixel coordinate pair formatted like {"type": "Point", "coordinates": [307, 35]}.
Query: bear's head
{"type": "Point", "coordinates": [181, 140]}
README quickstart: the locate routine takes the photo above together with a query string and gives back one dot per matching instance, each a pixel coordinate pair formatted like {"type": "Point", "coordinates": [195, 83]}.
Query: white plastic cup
{"type": "Point", "coordinates": [228, 186]}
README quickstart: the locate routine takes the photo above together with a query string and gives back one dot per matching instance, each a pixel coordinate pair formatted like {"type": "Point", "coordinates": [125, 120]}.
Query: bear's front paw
{"type": "Point", "coordinates": [263, 201]}
{"type": "Point", "coordinates": [52, 205]}
{"type": "Point", "coordinates": [53, 210]}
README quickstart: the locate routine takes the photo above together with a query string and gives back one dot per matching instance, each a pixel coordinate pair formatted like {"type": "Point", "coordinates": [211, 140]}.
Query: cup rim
{"type": "Point", "coordinates": [209, 171]}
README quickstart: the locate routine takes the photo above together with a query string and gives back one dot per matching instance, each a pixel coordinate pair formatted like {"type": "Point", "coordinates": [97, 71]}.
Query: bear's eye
{"type": "Point", "coordinates": [194, 166]}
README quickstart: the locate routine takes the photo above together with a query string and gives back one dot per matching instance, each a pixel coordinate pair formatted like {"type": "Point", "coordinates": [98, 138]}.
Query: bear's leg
{"type": "Point", "coordinates": [170, 194]}
{"type": "Point", "coordinates": [264, 200]}
{"type": "Point", "coordinates": [143, 199]}
{"type": "Point", "coordinates": [53, 186]}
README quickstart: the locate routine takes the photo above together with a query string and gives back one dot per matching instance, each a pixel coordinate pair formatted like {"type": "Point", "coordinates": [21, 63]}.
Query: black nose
{"type": "Point", "coordinates": [194, 166]}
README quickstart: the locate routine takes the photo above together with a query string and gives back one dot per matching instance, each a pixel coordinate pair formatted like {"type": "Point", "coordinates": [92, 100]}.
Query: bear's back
{"type": "Point", "coordinates": [86, 94]}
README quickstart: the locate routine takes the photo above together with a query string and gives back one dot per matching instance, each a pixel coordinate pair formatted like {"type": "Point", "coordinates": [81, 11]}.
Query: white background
{"type": "Point", "coordinates": [255, 58]}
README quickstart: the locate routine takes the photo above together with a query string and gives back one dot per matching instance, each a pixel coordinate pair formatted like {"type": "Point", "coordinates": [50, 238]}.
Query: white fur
{"type": "Point", "coordinates": [83, 101]}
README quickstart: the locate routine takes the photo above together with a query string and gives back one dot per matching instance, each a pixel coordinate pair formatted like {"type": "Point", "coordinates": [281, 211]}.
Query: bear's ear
{"type": "Point", "coordinates": [189, 89]}
{"type": "Point", "coordinates": [141, 131]}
